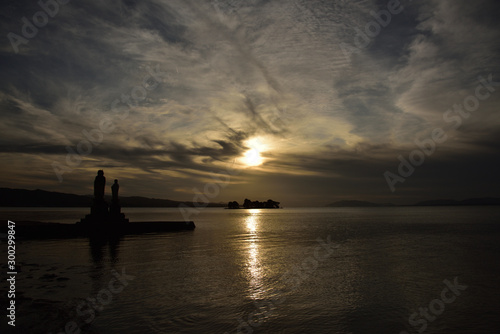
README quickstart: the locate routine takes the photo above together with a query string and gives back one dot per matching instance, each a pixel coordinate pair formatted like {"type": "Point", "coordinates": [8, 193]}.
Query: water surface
{"type": "Point", "coordinates": [265, 271]}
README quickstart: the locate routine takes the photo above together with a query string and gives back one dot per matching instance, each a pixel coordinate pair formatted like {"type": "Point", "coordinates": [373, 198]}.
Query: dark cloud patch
{"type": "Point", "coordinates": [162, 19]}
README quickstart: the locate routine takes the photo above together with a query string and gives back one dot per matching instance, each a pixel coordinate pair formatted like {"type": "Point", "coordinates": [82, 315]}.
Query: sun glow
{"type": "Point", "coordinates": [253, 157]}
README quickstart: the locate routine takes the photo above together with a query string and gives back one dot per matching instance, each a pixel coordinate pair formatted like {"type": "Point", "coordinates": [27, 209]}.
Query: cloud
{"type": "Point", "coordinates": [236, 70]}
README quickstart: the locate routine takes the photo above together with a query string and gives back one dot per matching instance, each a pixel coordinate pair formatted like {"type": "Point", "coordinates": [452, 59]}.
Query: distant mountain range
{"type": "Point", "coordinates": [438, 202]}
{"type": "Point", "coordinates": [41, 198]}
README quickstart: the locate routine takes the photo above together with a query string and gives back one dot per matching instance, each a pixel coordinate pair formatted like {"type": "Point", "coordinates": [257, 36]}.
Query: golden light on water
{"type": "Point", "coordinates": [251, 222]}
{"type": "Point", "coordinates": [254, 265]}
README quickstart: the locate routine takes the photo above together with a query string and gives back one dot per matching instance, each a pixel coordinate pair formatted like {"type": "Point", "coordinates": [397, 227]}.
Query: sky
{"type": "Point", "coordinates": [305, 102]}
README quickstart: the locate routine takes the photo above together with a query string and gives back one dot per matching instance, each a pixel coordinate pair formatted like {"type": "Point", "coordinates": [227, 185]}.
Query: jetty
{"type": "Point", "coordinates": [49, 230]}
{"type": "Point", "coordinates": [103, 221]}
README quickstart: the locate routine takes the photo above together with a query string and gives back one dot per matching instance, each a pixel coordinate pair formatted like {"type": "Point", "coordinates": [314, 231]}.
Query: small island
{"type": "Point", "coordinates": [248, 204]}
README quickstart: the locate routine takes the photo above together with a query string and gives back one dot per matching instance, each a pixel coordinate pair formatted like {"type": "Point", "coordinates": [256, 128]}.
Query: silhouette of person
{"type": "Point", "coordinates": [114, 190]}
{"type": "Point", "coordinates": [99, 185]}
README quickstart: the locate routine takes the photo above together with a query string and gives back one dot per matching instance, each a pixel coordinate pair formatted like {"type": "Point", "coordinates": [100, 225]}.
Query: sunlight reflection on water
{"type": "Point", "coordinates": [254, 265]}
{"type": "Point", "coordinates": [390, 262]}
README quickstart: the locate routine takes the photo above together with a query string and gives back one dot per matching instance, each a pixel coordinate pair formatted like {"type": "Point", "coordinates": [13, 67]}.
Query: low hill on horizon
{"type": "Point", "coordinates": [41, 198]}
{"type": "Point", "coordinates": [353, 203]}
{"type": "Point", "coordinates": [437, 202]}
{"type": "Point", "coordinates": [465, 202]}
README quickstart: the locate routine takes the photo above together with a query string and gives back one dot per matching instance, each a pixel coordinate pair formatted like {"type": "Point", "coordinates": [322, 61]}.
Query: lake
{"type": "Point", "coordinates": [294, 270]}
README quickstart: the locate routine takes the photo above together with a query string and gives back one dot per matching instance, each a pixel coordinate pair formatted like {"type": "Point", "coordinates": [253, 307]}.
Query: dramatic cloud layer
{"type": "Point", "coordinates": [333, 94]}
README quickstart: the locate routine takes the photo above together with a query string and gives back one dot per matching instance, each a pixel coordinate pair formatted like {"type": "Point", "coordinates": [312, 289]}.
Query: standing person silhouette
{"type": "Point", "coordinates": [99, 185]}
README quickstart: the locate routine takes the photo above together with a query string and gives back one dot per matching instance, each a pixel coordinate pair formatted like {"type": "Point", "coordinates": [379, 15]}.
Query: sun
{"type": "Point", "coordinates": [252, 157]}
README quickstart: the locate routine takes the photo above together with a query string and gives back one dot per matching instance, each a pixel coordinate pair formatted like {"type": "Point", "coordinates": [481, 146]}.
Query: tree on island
{"type": "Point", "coordinates": [247, 204]}
{"type": "Point", "coordinates": [270, 204]}
{"type": "Point", "coordinates": [233, 205]}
